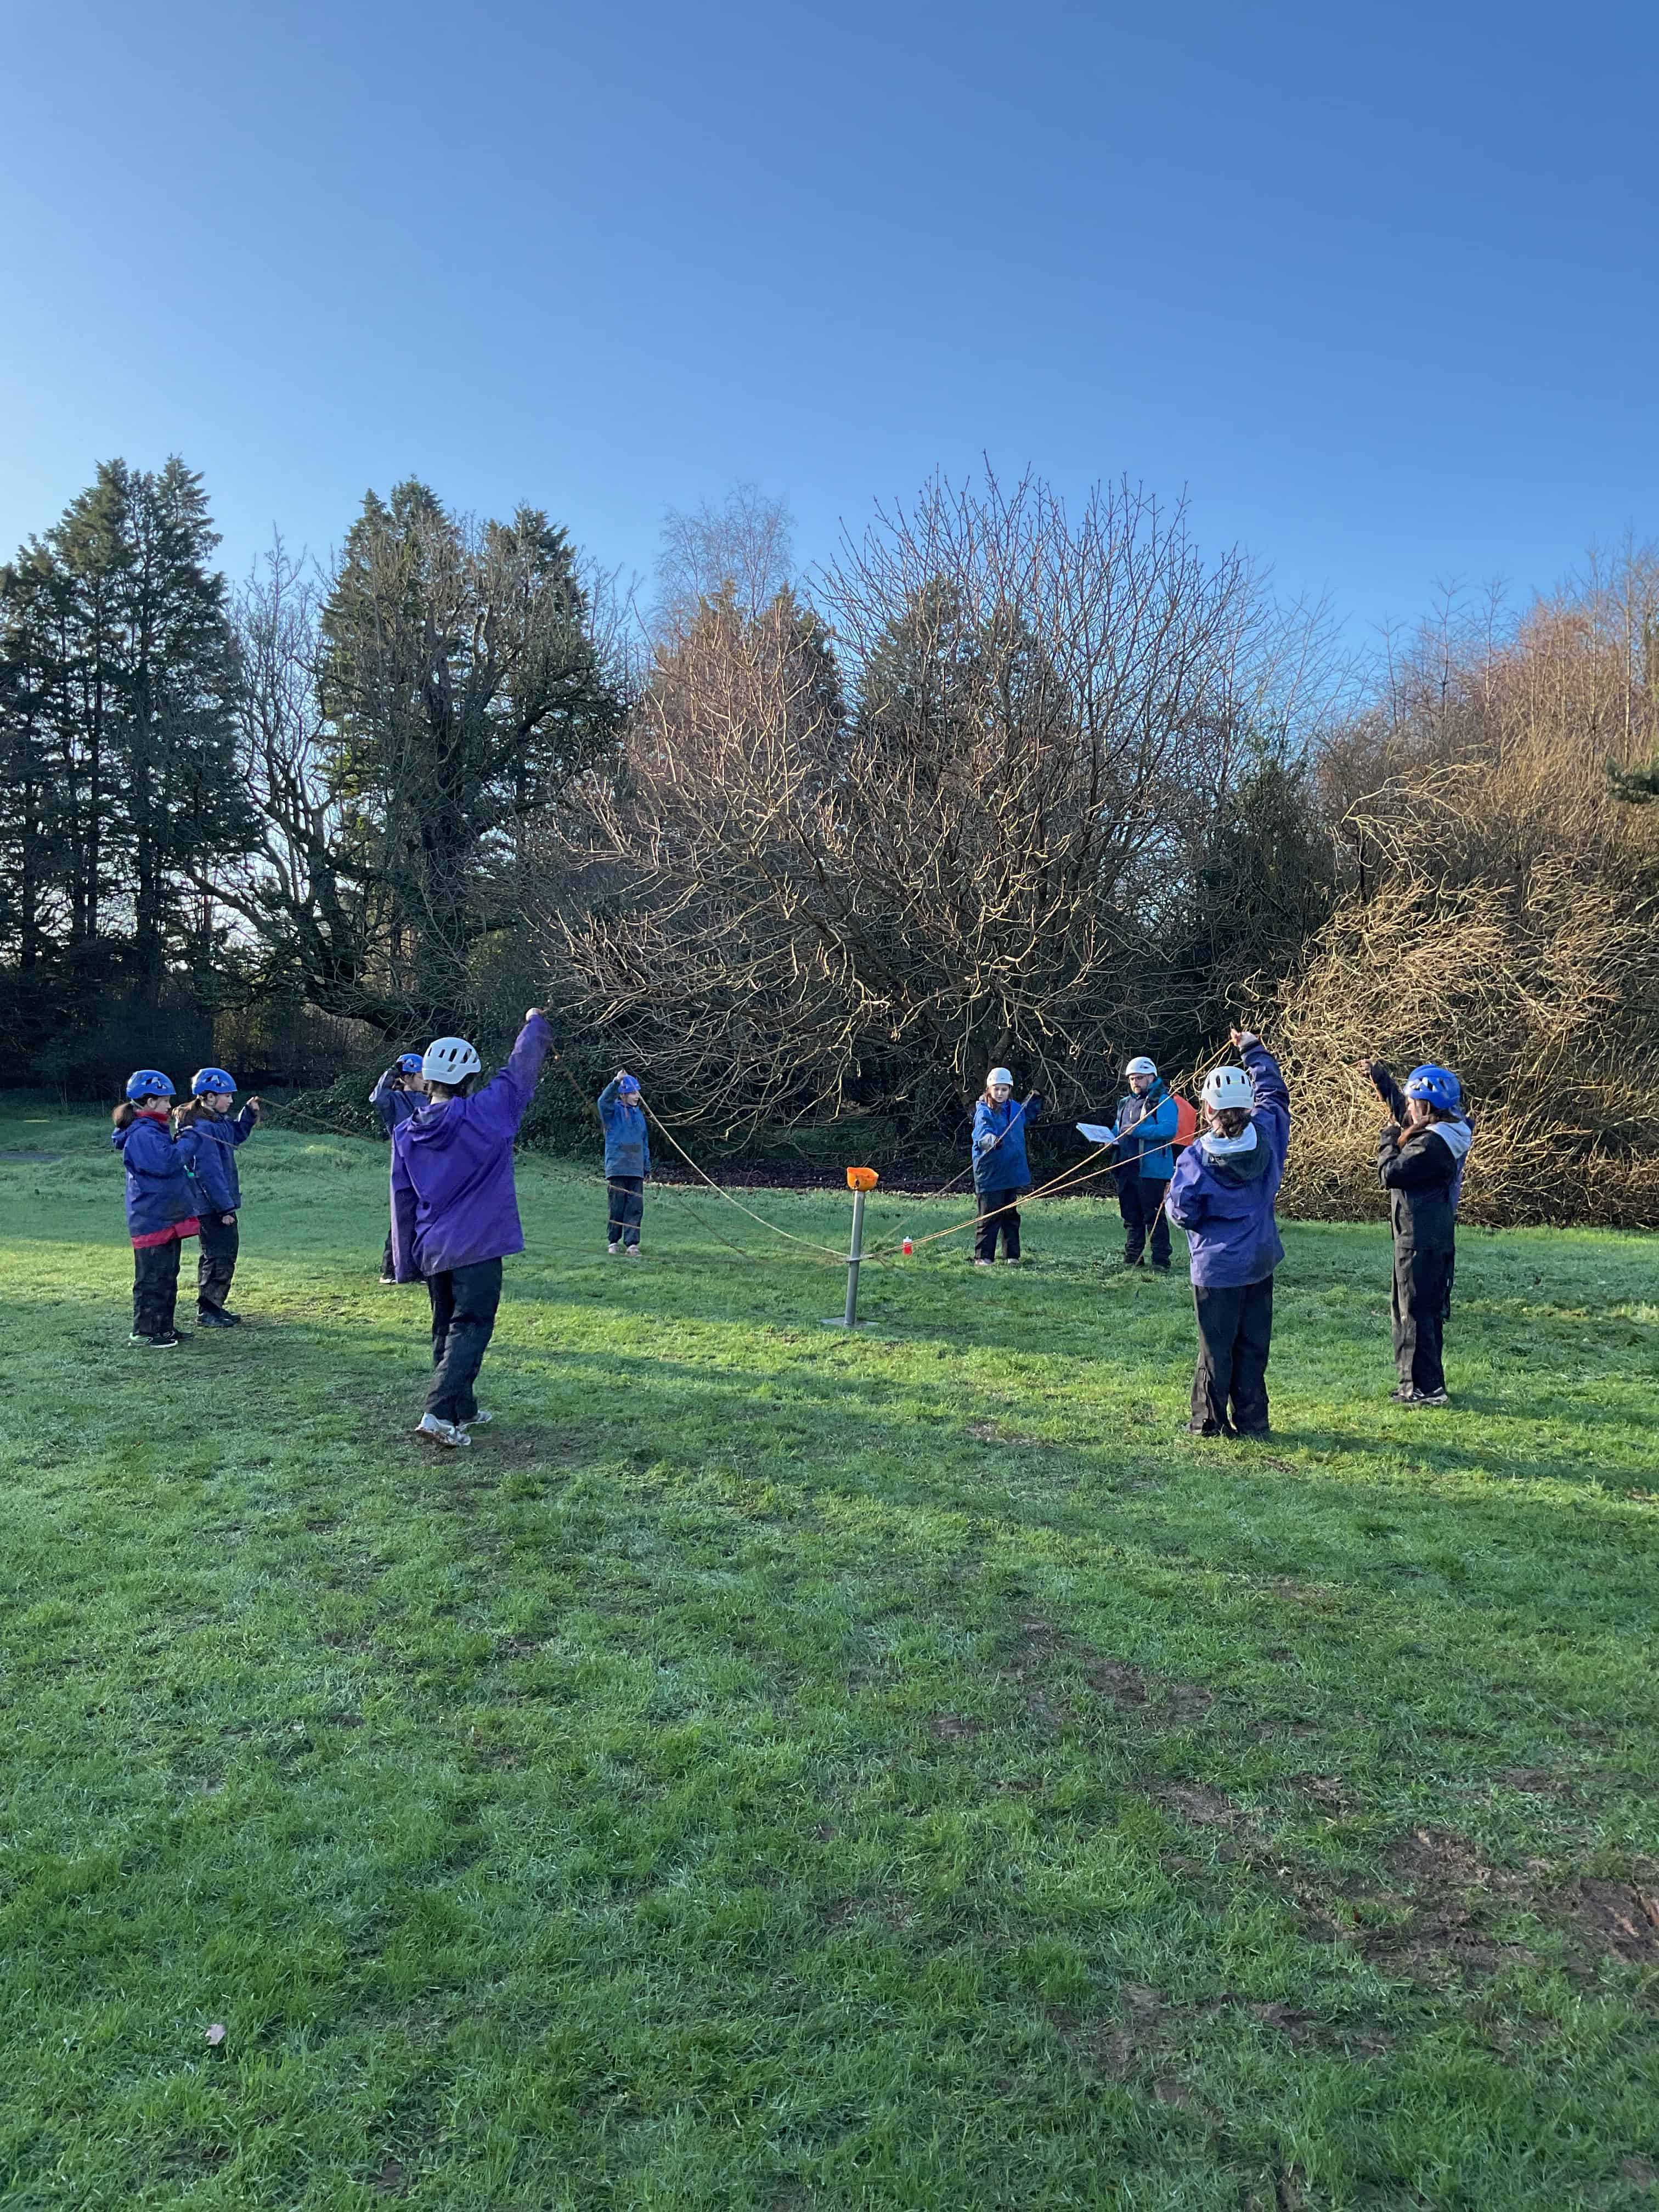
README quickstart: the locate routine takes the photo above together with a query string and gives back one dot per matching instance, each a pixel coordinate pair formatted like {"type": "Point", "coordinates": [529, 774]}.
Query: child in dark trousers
{"type": "Point", "coordinates": [394, 1099]}
{"type": "Point", "coordinates": [1420, 1157]}
{"type": "Point", "coordinates": [1222, 1194]}
{"type": "Point", "coordinates": [212, 1094]}
{"type": "Point", "coordinates": [1001, 1171]}
{"type": "Point", "coordinates": [455, 1213]}
{"type": "Point", "coordinates": [161, 1203]}
{"type": "Point", "coordinates": [627, 1161]}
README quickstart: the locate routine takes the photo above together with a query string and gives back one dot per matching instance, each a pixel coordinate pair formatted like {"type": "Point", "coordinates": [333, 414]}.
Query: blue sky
{"type": "Point", "coordinates": [1378, 284]}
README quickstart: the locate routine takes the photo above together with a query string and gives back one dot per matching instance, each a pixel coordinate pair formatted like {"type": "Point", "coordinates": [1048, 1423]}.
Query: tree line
{"type": "Point", "coordinates": [1003, 779]}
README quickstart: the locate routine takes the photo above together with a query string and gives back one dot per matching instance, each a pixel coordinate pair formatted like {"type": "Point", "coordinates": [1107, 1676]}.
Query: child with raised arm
{"type": "Point", "coordinates": [1420, 1157]}
{"type": "Point", "coordinates": [627, 1161]}
{"type": "Point", "coordinates": [1001, 1171]}
{"type": "Point", "coordinates": [160, 1202]}
{"type": "Point", "coordinates": [219, 1133]}
{"type": "Point", "coordinates": [394, 1099]}
{"type": "Point", "coordinates": [1222, 1194]}
{"type": "Point", "coordinates": [455, 1213]}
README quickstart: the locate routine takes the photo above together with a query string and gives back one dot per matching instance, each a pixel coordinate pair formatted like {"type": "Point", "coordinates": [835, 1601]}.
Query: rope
{"type": "Point", "coordinates": [811, 1244]}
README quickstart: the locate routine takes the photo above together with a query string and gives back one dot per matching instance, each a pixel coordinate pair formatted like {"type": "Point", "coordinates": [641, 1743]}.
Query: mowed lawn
{"type": "Point", "coordinates": [776, 1770]}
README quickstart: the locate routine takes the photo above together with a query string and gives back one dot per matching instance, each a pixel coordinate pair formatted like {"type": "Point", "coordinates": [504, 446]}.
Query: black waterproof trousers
{"type": "Point", "coordinates": [154, 1287]}
{"type": "Point", "coordinates": [464, 1303]}
{"type": "Point", "coordinates": [627, 1199]}
{"type": "Point", "coordinates": [1141, 1201]}
{"type": "Point", "coordinates": [1235, 1336]}
{"type": "Point", "coordinates": [1421, 1305]}
{"type": "Point", "coordinates": [387, 1267]}
{"type": "Point", "coordinates": [216, 1264]}
{"type": "Point", "coordinates": [998, 1215]}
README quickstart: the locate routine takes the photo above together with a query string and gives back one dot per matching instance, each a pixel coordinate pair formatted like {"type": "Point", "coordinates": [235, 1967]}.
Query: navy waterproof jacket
{"type": "Point", "coordinates": [390, 1102]}
{"type": "Point", "coordinates": [627, 1141]}
{"type": "Point", "coordinates": [452, 1200]}
{"type": "Point", "coordinates": [1002, 1166]}
{"type": "Point", "coordinates": [161, 1197]}
{"type": "Point", "coordinates": [1145, 1133]}
{"type": "Point", "coordinates": [215, 1168]}
{"type": "Point", "coordinates": [1223, 1189]}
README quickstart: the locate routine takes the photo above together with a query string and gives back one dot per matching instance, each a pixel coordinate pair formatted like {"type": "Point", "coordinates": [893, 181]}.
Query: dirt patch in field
{"type": "Point", "coordinates": [956, 1728]}
{"type": "Point", "coordinates": [1616, 1918]}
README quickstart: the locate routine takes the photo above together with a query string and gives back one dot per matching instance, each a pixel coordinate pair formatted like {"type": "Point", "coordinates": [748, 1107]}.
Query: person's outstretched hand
{"type": "Point", "coordinates": [1242, 1038]}
{"type": "Point", "coordinates": [257, 1107]}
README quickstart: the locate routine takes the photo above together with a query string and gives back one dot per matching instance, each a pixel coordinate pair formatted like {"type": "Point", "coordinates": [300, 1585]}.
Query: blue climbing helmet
{"type": "Point", "coordinates": [149, 1083]}
{"type": "Point", "coordinates": [1436, 1086]}
{"type": "Point", "coordinates": [409, 1063]}
{"type": "Point", "coordinates": [629, 1085]}
{"type": "Point", "coordinates": [213, 1079]}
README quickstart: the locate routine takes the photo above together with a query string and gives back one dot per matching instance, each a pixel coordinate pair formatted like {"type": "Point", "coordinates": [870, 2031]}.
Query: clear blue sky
{"type": "Point", "coordinates": [1379, 283]}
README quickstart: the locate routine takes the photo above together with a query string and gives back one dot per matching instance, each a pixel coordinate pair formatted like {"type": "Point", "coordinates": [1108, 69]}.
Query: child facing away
{"type": "Point", "coordinates": [455, 1213]}
{"type": "Point", "coordinates": [219, 1188]}
{"type": "Point", "coordinates": [1146, 1128]}
{"type": "Point", "coordinates": [1222, 1194]}
{"type": "Point", "coordinates": [1420, 1157]}
{"type": "Point", "coordinates": [160, 1202]}
{"type": "Point", "coordinates": [627, 1161]}
{"type": "Point", "coordinates": [1001, 1172]}
{"type": "Point", "coordinates": [394, 1099]}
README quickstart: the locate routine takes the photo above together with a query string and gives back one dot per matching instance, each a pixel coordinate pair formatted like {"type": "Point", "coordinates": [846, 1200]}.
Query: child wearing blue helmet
{"type": "Point", "coordinates": [627, 1161]}
{"type": "Point", "coordinates": [394, 1099]}
{"type": "Point", "coordinates": [161, 1202]}
{"type": "Point", "coordinates": [1420, 1158]}
{"type": "Point", "coordinates": [219, 1133]}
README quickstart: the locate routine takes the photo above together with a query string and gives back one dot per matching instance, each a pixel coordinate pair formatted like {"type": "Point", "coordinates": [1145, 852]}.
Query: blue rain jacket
{"type": "Point", "coordinates": [1223, 1198]}
{"type": "Point", "coordinates": [1002, 1166]}
{"type": "Point", "coordinates": [452, 1200]}
{"type": "Point", "coordinates": [393, 1105]}
{"type": "Point", "coordinates": [161, 1199]}
{"type": "Point", "coordinates": [216, 1158]}
{"type": "Point", "coordinates": [1151, 1148]}
{"type": "Point", "coordinates": [627, 1141]}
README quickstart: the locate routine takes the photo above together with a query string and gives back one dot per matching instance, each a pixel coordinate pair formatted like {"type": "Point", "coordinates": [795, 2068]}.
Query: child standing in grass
{"type": "Point", "coordinates": [1420, 1157]}
{"type": "Point", "coordinates": [160, 1202]}
{"type": "Point", "coordinates": [1001, 1171]}
{"type": "Point", "coordinates": [627, 1161]}
{"type": "Point", "coordinates": [1145, 1161]}
{"type": "Point", "coordinates": [455, 1213]}
{"type": "Point", "coordinates": [212, 1095]}
{"type": "Point", "coordinates": [1222, 1194]}
{"type": "Point", "coordinates": [394, 1099]}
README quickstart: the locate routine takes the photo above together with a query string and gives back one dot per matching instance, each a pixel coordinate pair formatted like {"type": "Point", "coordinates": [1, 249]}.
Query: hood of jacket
{"type": "Point", "coordinates": [1236, 1160]}
{"type": "Point", "coordinates": [1456, 1136]}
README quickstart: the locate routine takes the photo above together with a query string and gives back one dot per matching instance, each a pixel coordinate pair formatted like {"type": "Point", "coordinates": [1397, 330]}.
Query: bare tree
{"type": "Point", "coordinates": [743, 551]}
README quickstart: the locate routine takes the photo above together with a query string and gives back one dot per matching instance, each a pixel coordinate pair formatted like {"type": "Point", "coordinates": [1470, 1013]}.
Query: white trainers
{"type": "Point", "coordinates": [454, 1438]}
{"type": "Point", "coordinates": [613, 1249]}
{"type": "Point", "coordinates": [481, 1419]}
{"type": "Point", "coordinates": [632, 1251]}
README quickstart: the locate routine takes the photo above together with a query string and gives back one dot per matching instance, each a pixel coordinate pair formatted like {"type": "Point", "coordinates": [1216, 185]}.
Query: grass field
{"type": "Point", "coordinates": [774, 1770]}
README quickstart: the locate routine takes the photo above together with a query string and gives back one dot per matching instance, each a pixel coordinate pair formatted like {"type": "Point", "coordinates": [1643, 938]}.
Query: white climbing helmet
{"type": "Point", "coordinates": [998, 1075]}
{"type": "Point", "coordinates": [1228, 1086]}
{"type": "Point", "coordinates": [1141, 1066]}
{"type": "Point", "coordinates": [449, 1060]}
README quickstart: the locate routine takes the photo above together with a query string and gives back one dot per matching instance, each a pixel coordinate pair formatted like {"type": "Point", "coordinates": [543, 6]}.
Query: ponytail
{"type": "Point", "coordinates": [122, 1116]}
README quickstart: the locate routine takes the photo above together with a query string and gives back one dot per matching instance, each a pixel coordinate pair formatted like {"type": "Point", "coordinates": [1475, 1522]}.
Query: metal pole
{"type": "Point", "coordinates": [853, 1259]}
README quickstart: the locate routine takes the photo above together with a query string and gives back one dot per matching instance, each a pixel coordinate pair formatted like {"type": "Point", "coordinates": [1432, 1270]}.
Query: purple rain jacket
{"type": "Point", "coordinates": [161, 1199]}
{"type": "Point", "coordinates": [452, 1201]}
{"type": "Point", "coordinates": [217, 1137]}
{"type": "Point", "coordinates": [1223, 1197]}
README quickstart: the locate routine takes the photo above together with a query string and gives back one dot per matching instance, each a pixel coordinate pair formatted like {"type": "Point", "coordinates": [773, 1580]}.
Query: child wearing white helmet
{"type": "Point", "coordinates": [1001, 1171]}
{"type": "Point", "coordinates": [1146, 1128]}
{"type": "Point", "coordinates": [1420, 1157]}
{"type": "Point", "coordinates": [1222, 1194]}
{"type": "Point", "coordinates": [455, 1213]}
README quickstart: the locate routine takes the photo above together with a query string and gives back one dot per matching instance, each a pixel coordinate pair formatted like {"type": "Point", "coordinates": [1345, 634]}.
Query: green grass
{"type": "Point", "coordinates": [775, 1770]}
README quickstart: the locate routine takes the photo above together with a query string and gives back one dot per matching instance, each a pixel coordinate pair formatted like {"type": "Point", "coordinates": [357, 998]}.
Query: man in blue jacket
{"type": "Point", "coordinates": [394, 1099]}
{"type": "Point", "coordinates": [627, 1161]}
{"type": "Point", "coordinates": [1145, 1161]}
{"type": "Point", "coordinates": [1221, 1195]}
{"type": "Point", "coordinates": [455, 1213]}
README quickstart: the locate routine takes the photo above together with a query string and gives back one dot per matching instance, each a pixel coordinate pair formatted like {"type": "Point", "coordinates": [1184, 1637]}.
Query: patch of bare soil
{"type": "Point", "coordinates": [1453, 1892]}
{"type": "Point", "coordinates": [1206, 1808]}
{"type": "Point", "coordinates": [1616, 1916]}
{"type": "Point", "coordinates": [956, 1728]}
